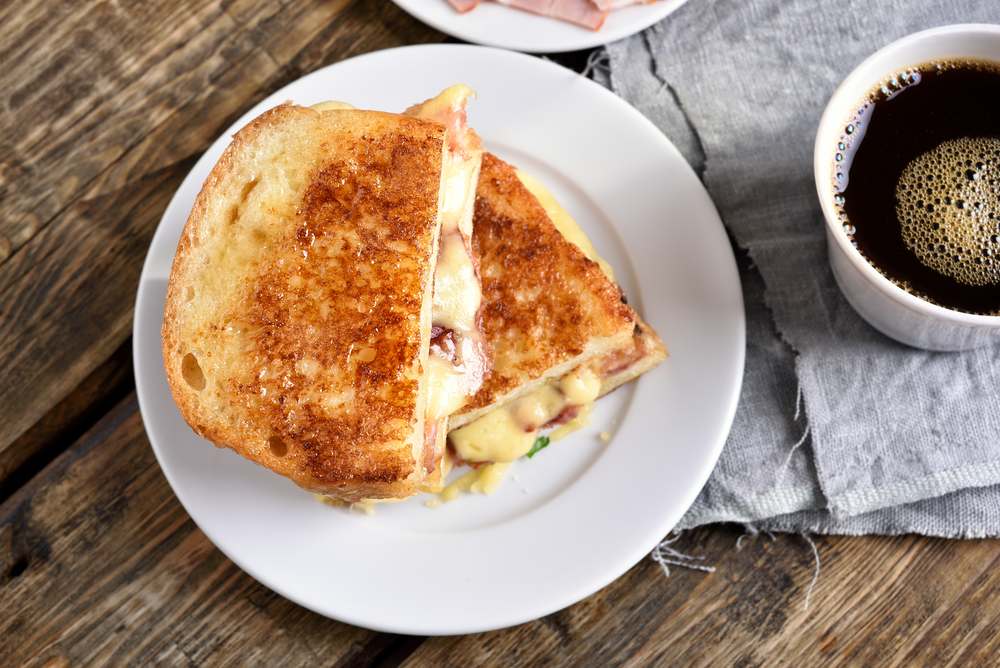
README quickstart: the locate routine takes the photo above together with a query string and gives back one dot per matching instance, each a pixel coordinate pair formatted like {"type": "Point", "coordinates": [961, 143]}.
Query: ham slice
{"type": "Point", "coordinates": [608, 5]}
{"type": "Point", "coordinates": [462, 6]}
{"type": "Point", "coordinates": [586, 13]}
{"type": "Point", "coordinates": [581, 12]}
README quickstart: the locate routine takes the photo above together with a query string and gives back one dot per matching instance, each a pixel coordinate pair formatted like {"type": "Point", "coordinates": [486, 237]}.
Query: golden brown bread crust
{"type": "Point", "coordinates": [298, 311]}
{"type": "Point", "coordinates": [546, 307]}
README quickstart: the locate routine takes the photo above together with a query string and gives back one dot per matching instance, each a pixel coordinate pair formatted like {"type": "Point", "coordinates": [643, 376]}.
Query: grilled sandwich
{"type": "Point", "coordinates": [321, 309]}
{"type": "Point", "coordinates": [560, 328]}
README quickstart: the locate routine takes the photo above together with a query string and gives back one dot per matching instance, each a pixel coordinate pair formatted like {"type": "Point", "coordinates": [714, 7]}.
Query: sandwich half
{"type": "Point", "coordinates": [559, 326]}
{"type": "Point", "coordinates": [302, 305]}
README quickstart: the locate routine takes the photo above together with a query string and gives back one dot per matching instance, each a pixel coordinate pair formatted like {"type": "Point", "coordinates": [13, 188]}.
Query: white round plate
{"type": "Point", "coordinates": [580, 513]}
{"type": "Point", "coordinates": [493, 24]}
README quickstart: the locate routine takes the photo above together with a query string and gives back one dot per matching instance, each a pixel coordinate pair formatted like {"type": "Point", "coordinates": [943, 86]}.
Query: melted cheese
{"type": "Point", "coordinates": [445, 107]}
{"type": "Point", "coordinates": [564, 222]}
{"type": "Point", "coordinates": [483, 480]}
{"type": "Point", "coordinates": [495, 437]}
{"type": "Point", "coordinates": [581, 420]}
{"type": "Point", "coordinates": [533, 410]}
{"type": "Point", "coordinates": [457, 293]}
{"type": "Point", "coordinates": [330, 104]}
{"type": "Point", "coordinates": [507, 433]}
{"type": "Point", "coordinates": [445, 393]}
{"type": "Point", "coordinates": [580, 386]}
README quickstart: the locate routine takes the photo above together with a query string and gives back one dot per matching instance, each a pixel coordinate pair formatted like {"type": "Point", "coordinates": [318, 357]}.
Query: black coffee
{"type": "Point", "coordinates": [917, 182]}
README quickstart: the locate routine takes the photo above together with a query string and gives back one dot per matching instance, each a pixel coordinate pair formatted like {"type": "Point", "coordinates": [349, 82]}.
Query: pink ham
{"type": "Point", "coordinates": [608, 5]}
{"type": "Point", "coordinates": [463, 6]}
{"type": "Point", "coordinates": [581, 12]}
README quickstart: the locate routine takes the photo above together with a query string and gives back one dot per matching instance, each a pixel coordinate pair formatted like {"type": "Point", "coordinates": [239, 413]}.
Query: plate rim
{"type": "Point", "coordinates": [627, 558]}
{"type": "Point", "coordinates": [530, 33]}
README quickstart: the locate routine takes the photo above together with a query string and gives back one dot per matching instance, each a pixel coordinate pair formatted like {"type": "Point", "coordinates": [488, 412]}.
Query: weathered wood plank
{"type": "Point", "coordinates": [73, 310]}
{"type": "Point", "coordinates": [101, 566]}
{"type": "Point", "coordinates": [67, 421]}
{"type": "Point", "coordinates": [111, 105]}
{"type": "Point", "coordinates": [102, 74]}
{"type": "Point", "coordinates": [882, 601]}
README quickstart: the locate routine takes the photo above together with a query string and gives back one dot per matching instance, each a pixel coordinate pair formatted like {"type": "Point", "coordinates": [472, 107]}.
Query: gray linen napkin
{"type": "Point", "coordinates": [839, 429]}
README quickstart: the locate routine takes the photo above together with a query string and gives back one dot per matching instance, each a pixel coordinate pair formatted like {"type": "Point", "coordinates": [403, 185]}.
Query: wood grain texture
{"type": "Point", "coordinates": [100, 566]}
{"type": "Point", "coordinates": [109, 105]}
{"type": "Point", "coordinates": [67, 420]}
{"type": "Point", "coordinates": [126, 578]}
{"type": "Point", "coordinates": [879, 601]}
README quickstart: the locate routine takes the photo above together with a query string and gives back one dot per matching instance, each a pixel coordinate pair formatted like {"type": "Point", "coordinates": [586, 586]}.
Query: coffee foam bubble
{"type": "Point", "coordinates": [947, 203]}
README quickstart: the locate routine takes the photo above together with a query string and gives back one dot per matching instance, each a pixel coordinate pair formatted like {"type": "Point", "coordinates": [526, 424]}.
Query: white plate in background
{"type": "Point", "coordinates": [580, 513]}
{"type": "Point", "coordinates": [493, 24]}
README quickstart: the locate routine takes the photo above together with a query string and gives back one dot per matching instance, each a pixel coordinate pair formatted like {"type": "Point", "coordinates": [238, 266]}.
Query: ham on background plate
{"type": "Point", "coordinates": [586, 13]}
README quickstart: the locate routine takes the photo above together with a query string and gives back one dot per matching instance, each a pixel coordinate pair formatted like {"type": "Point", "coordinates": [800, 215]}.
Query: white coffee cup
{"type": "Point", "coordinates": [888, 308]}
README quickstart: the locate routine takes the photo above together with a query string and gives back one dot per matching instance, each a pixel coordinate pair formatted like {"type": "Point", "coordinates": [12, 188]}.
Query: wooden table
{"type": "Point", "coordinates": [106, 106]}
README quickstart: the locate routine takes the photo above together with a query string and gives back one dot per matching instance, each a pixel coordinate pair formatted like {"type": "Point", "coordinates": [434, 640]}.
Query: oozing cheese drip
{"type": "Point", "coordinates": [330, 104]}
{"type": "Point", "coordinates": [483, 480]}
{"type": "Point", "coordinates": [457, 294]}
{"type": "Point", "coordinates": [508, 433]}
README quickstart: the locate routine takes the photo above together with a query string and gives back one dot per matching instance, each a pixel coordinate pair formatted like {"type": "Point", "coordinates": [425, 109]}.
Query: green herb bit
{"type": "Point", "coordinates": [540, 443]}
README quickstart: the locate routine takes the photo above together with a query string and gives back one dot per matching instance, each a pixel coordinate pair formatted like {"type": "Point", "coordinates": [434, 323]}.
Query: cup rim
{"type": "Point", "coordinates": [838, 109]}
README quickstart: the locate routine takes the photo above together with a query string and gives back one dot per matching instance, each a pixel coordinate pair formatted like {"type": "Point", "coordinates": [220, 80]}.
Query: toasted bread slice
{"type": "Point", "coordinates": [298, 317]}
{"type": "Point", "coordinates": [559, 325]}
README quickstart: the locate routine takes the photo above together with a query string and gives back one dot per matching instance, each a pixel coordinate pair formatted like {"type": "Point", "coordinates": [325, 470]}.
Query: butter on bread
{"type": "Point", "coordinates": [299, 308]}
